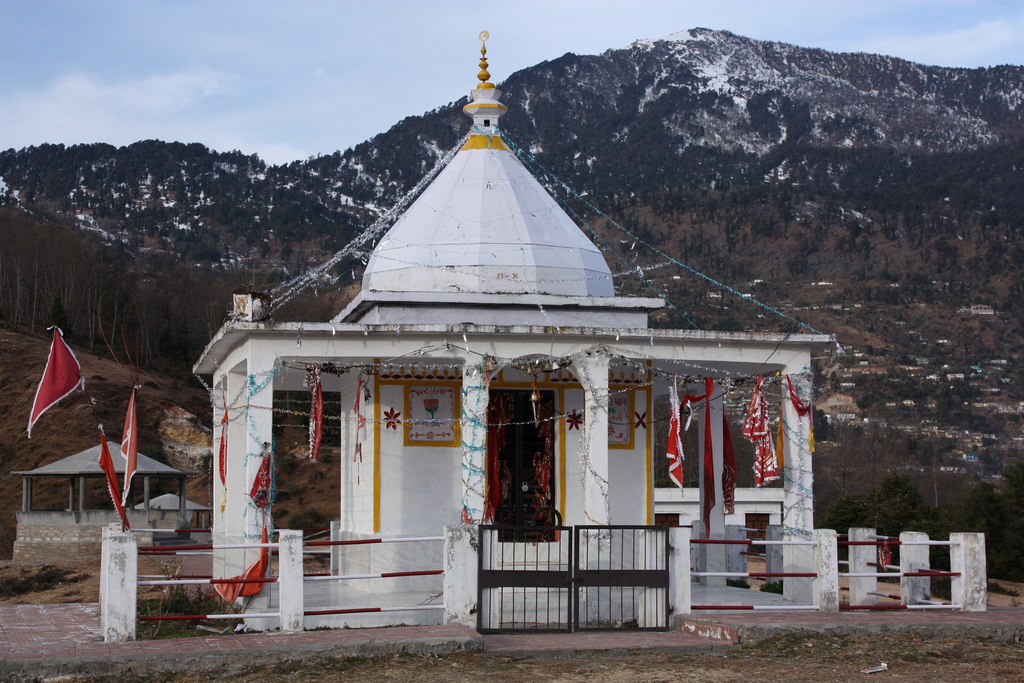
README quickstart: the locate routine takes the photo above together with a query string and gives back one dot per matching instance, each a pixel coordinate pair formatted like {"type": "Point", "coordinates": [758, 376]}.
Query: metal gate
{"type": "Point", "coordinates": [560, 579]}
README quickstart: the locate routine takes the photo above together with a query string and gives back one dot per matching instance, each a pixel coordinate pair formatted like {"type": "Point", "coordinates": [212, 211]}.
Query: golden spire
{"type": "Point", "coordinates": [484, 76]}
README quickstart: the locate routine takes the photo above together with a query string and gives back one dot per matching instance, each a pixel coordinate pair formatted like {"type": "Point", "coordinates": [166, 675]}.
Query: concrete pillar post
{"type": "Point", "coordinates": [258, 423]}
{"type": "Point", "coordinates": [736, 561]}
{"type": "Point", "coordinates": [680, 599]}
{"type": "Point", "coordinates": [335, 549]}
{"type": "Point", "coordinates": [861, 557]}
{"type": "Point", "coordinates": [798, 496]}
{"type": "Point", "coordinates": [71, 494]}
{"type": "Point", "coordinates": [461, 564]}
{"type": "Point", "coordinates": [474, 443]}
{"type": "Point", "coordinates": [290, 582]}
{"type": "Point", "coordinates": [825, 586]}
{"type": "Point", "coordinates": [967, 556]}
{"type": "Point", "coordinates": [146, 493]}
{"type": "Point", "coordinates": [81, 494]}
{"type": "Point", "coordinates": [773, 553]}
{"type": "Point", "coordinates": [118, 584]}
{"type": "Point", "coordinates": [914, 558]}
{"type": "Point", "coordinates": [593, 375]}
{"type": "Point", "coordinates": [26, 494]}
{"type": "Point", "coordinates": [699, 551]}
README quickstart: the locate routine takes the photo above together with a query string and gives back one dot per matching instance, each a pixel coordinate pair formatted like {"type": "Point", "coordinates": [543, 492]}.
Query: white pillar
{"type": "Point", "coordinates": [861, 557]}
{"type": "Point", "coordinates": [461, 563]}
{"type": "Point", "coordinates": [474, 442]}
{"type": "Point", "coordinates": [773, 553]}
{"type": "Point", "coordinates": [593, 375]}
{"type": "Point", "coordinates": [967, 556]}
{"type": "Point", "coordinates": [335, 549]}
{"type": "Point", "coordinates": [118, 584]}
{"type": "Point", "coordinates": [914, 558]}
{"type": "Point", "coordinates": [798, 495]}
{"type": "Point", "coordinates": [229, 502]}
{"type": "Point", "coordinates": [291, 589]}
{"type": "Point", "coordinates": [679, 571]}
{"type": "Point", "coordinates": [826, 564]}
{"type": "Point", "coordinates": [736, 561]}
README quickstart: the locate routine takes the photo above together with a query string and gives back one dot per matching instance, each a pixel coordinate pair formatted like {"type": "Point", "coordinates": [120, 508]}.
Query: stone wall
{"type": "Point", "coordinates": [47, 543]}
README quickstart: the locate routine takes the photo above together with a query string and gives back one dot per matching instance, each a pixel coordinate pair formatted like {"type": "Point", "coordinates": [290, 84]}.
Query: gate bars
{"type": "Point", "coordinates": [532, 579]}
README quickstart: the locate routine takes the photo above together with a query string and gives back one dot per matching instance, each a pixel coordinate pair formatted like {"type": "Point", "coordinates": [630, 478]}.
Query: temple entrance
{"type": "Point", "coordinates": [521, 458]}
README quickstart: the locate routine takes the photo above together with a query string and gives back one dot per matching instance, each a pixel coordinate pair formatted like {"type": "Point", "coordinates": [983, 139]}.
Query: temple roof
{"type": "Point", "coordinates": [485, 225]}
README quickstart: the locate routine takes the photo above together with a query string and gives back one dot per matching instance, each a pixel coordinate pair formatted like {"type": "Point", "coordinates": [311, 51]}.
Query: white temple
{"type": "Point", "coordinates": [499, 377]}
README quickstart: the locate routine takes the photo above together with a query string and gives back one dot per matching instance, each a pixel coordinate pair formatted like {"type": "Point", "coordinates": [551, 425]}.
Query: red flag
{"type": "Point", "coordinates": [757, 430]}
{"type": "Point", "coordinates": [107, 465]}
{"type": "Point", "coordinates": [62, 375]}
{"type": "Point", "coordinates": [130, 446]}
{"type": "Point", "coordinates": [709, 462]}
{"type": "Point", "coordinates": [728, 469]}
{"type": "Point", "coordinates": [674, 451]}
{"type": "Point", "coordinates": [230, 591]}
{"type": "Point", "coordinates": [262, 485]}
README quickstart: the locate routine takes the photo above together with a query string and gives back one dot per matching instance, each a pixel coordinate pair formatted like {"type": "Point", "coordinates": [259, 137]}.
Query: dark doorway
{"type": "Point", "coordinates": [521, 458]}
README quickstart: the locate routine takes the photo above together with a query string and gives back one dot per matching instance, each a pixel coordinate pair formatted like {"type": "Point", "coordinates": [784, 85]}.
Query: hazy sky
{"type": "Point", "coordinates": [291, 79]}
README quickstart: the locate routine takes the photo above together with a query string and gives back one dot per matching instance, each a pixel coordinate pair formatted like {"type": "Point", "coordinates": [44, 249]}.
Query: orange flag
{"type": "Point", "coordinates": [130, 446]}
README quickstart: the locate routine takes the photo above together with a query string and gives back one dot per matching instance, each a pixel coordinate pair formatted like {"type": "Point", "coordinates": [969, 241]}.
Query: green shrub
{"type": "Point", "coordinates": [772, 587]}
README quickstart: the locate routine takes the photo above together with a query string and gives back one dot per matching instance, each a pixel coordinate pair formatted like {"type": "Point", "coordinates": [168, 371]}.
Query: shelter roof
{"type": "Point", "coordinates": [170, 501]}
{"type": "Point", "coordinates": [86, 464]}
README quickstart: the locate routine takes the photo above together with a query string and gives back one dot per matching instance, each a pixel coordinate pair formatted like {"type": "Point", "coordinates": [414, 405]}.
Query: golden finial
{"type": "Point", "coordinates": [483, 75]}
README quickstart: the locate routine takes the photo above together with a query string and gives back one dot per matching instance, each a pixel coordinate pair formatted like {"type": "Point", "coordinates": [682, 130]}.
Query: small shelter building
{"type": "Point", "coordinates": [77, 529]}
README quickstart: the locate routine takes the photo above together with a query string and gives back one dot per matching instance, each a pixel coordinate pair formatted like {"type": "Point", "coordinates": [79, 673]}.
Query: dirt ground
{"type": "Point", "coordinates": [779, 659]}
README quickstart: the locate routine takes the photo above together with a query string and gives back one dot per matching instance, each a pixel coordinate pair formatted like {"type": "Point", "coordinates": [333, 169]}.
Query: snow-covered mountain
{"type": "Point", "coordinates": [698, 109]}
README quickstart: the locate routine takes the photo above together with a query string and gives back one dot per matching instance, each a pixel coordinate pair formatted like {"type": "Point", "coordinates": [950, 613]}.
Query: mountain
{"type": "Point", "coordinates": [860, 194]}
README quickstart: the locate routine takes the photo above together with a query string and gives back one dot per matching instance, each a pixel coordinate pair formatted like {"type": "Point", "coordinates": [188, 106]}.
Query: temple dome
{"type": "Point", "coordinates": [485, 225]}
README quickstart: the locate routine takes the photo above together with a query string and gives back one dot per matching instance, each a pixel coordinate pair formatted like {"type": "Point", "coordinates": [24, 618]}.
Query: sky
{"type": "Point", "coordinates": [290, 80]}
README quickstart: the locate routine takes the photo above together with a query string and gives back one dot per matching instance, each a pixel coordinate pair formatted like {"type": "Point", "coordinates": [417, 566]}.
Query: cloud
{"type": "Point", "coordinates": [990, 43]}
{"type": "Point", "coordinates": [82, 107]}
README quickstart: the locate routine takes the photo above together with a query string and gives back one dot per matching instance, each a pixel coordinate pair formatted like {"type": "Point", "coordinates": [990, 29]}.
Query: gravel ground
{"type": "Point", "coordinates": [789, 659]}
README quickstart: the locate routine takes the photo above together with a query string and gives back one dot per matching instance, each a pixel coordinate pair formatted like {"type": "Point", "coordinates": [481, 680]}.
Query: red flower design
{"type": "Point", "coordinates": [641, 421]}
{"type": "Point", "coordinates": [574, 419]}
{"type": "Point", "coordinates": [391, 418]}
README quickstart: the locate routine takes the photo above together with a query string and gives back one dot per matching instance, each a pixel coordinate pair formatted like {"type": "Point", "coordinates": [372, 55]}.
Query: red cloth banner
{"type": "Point", "coordinates": [107, 465]}
{"type": "Point", "coordinates": [62, 376]}
{"type": "Point", "coordinates": [757, 430]}
{"type": "Point", "coordinates": [728, 469]}
{"type": "Point", "coordinates": [674, 451]}
{"type": "Point", "coordinates": [130, 446]}
{"type": "Point", "coordinates": [262, 484]}
{"type": "Point", "coordinates": [709, 462]}
{"type": "Point", "coordinates": [803, 409]}
{"type": "Point", "coordinates": [230, 591]}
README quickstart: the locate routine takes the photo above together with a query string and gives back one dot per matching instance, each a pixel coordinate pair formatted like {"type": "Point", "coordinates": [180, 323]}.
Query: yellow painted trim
{"type": "Point", "coordinates": [376, 450]}
{"type": "Point", "coordinates": [484, 105]}
{"type": "Point", "coordinates": [484, 142]}
{"type": "Point", "coordinates": [650, 448]}
{"type": "Point", "coordinates": [485, 86]}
